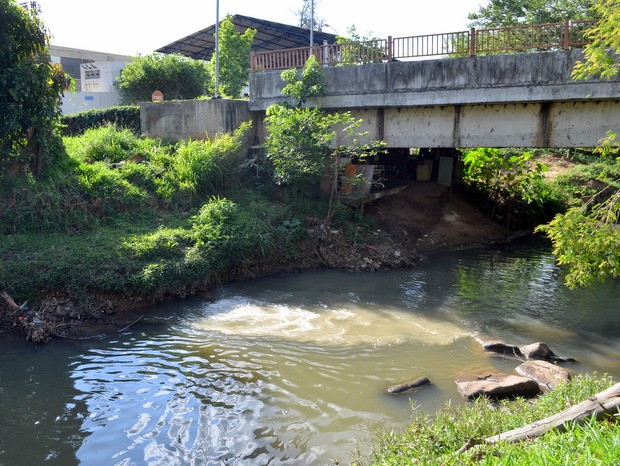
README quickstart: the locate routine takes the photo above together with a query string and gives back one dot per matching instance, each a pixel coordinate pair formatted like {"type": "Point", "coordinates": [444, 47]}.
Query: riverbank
{"type": "Point", "coordinates": [395, 233]}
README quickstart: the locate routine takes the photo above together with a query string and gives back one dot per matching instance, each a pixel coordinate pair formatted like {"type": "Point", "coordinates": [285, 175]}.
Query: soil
{"type": "Point", "coordinates": [423, 218]}
{"type": "Point", "coordinates": [427, 217]}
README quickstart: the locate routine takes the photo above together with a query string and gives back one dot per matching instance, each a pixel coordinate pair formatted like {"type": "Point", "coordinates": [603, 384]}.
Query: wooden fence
{"type": "Point", "coordinates": [524, 38]}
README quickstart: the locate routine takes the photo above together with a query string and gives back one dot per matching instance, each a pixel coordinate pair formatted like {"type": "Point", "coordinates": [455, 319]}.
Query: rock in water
{"type": "Point", "coordinates": [546, 375]}
{"type": "Point", "coordinates": [407, 387]}
{"type": "Point", "coordinates": [496, 386]}
{"type": "Point", "coordinates": [541, 351]}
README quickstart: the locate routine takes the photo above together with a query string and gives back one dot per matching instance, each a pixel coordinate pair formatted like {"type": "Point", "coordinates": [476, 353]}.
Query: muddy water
{"type": "Point", "coordinates": [291, 370]}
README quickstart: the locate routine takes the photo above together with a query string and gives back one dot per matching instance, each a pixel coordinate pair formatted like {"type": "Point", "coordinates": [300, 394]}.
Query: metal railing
{"type": "Point", "coordinates": [524, 38]}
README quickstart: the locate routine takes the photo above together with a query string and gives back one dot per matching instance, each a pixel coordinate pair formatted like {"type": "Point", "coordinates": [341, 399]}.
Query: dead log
{"type": "Point", "coordinates": [9, 301]}
{"type": "Point", "coordinates": [407, 387]}
{"type": "Point", "coordinates": [600, 405]}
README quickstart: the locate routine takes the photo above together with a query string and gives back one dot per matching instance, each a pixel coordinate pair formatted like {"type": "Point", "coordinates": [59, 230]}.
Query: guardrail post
{"type": "Point", "coordinates": [472, 42]}
{"type": "Point", "coordinates": [390, 49]}
{"type": "Point", "coordinates": [567, 35]}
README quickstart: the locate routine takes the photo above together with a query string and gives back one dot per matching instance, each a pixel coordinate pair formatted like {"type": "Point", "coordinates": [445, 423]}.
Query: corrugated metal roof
{"type": "Point", "coordinates": [269, 36]}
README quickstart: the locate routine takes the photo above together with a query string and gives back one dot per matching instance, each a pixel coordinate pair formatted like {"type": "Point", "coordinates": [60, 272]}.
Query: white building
{"type": "Point", "coordinates": [94, 74]}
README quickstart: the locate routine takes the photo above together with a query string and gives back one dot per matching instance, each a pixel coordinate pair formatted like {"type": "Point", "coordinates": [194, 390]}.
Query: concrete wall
{"type": "Point", "coordinates": [196, 119]}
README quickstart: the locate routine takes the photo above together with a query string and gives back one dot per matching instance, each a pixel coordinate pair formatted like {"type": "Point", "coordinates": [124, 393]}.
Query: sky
{"type": "Point", "coordinates": [131, 27]}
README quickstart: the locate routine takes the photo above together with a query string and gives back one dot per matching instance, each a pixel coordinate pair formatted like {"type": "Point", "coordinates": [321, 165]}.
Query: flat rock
{"type": "Point", "coordinates": [545, 374]}
{"type": "Point", "coordinates": [496, 386]}
{"type": "Point", "coordinates": [407, 387]}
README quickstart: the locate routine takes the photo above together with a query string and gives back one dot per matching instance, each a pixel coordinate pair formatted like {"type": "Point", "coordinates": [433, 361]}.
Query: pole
{"type": "Point", "coordinates": [217, 48]}
{"type": "Point", "coordinates": [311, 25]}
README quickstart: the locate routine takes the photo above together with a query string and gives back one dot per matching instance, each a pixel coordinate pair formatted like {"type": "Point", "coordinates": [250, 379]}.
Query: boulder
{"type": "Point", "coordinates": [538, 350]}
{"type": "Point", "coordinates": [546, 375]}
{"type": "Point", "coordinates": [496, 386]}
{"type": "Point", "coordinates": [407, 387]}
{"type": "Point", "coordinates": [542, 352]}
{"type": "Point", "coordinates": [500, 348]}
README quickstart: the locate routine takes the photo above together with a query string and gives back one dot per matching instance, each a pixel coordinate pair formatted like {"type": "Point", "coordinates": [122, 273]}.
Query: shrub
{"type": "Point", "coordinates": [122, 117]}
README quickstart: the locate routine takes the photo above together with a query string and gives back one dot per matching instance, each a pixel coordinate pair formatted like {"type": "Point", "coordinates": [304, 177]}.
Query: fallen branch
{"type": "Point", "coordinates": [101, 335]}
{"type": "Point", "coordinates": [9, 301]}
{"type": "Point", "coordinates": [600, 405]}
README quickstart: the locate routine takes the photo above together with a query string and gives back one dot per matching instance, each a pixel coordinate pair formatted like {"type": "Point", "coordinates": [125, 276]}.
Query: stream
{"type": "Point", "coordinates": [292, 369]}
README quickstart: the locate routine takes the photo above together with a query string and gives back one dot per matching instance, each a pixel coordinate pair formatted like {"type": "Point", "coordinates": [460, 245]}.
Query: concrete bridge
{"type": "Point", "coordinates": [516, 100]}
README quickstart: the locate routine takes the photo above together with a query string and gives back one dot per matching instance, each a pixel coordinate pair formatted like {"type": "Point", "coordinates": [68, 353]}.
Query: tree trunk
{"type": "Point", "coordinates": [604, 403]}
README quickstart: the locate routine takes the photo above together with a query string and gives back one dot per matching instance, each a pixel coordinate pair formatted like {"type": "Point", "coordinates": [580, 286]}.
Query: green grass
{"type": "Point", "coordinates": [134, 216]}
{"type": "Point", "coordinates": [435, 439]}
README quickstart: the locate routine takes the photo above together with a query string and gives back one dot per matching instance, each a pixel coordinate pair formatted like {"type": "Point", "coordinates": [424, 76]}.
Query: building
{"type": "Point", "coordinates": [94, 74]}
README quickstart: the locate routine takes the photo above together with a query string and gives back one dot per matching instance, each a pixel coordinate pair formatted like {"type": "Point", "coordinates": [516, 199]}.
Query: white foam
{"type": "Point", "coordinates": [352, 325]}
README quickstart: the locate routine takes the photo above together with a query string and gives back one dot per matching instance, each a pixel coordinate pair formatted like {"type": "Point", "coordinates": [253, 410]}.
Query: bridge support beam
{"type": "Point", "coordinates": [546, 124]}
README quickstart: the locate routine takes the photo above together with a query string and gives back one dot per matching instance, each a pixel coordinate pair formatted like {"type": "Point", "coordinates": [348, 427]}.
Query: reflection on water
{"type": "Point", "coordinates": [291, 370]}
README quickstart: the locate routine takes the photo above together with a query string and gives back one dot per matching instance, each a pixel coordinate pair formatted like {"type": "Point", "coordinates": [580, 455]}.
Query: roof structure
{"type": "Point", "coordinates": [269, 36]}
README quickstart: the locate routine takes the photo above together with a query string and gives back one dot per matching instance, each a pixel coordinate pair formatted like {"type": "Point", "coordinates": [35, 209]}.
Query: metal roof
{"type": "Point", "coordinates": [269, 36]}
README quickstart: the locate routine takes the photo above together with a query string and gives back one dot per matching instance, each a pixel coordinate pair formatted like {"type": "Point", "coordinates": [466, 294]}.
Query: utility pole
{"type": "Point", "coordinates": [311, 25]}
{"type": "Point", "coordinates": [217, 49]}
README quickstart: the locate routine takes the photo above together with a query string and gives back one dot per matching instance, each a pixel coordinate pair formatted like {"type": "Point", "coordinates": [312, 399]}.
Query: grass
{"type": "Point", "coordinates": [136, 217]}
{"type": "Point", "coordinates": [435, 440]}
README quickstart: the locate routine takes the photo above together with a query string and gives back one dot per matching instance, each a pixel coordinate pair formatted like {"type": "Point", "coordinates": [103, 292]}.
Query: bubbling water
{"type": "Point", "coordinates": [347, 326]}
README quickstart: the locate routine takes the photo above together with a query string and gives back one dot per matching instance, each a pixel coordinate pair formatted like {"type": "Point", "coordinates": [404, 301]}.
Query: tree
{"type": "Point", "coordinates": [31, 89]}
{"type": "Point", "coordinates": [602, 54]}
{"type": "Point", "coordinates": [356, 49]}
{"type": "Point", "coordinates": [301, 141]}
{"type": "Point", "coordinates": [234, 58]}
{"type": "Point", "coordinates": [176, 76]}
{"type": "Point", "coordinates": [306, 13]}
{"type": "Point", "coordinates": [587, 237]}
{"type": "Point", "coordinates": [501, 13]}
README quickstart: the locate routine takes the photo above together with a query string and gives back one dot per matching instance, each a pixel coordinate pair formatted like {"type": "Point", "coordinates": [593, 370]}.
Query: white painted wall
{"type": "Point", "coordinates": [75, 102]}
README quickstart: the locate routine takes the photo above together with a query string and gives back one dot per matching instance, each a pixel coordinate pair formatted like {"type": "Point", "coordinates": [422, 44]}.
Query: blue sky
{"type": "Point", "coordinates": [130, 27]}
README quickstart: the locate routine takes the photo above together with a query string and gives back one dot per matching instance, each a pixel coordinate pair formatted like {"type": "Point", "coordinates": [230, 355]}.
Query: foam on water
{"type": "Point", "coordinates": [353, 325]}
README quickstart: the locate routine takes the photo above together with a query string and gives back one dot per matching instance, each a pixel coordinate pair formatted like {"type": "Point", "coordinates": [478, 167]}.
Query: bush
{"type": "Point", "coordinates": [121, 117]}
{"type": "Point", "coordinates": [108, 144]}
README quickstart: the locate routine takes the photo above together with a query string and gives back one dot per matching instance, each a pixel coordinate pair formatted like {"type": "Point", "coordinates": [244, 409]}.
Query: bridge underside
{"type": "Point", "coordinates": [548, 124]}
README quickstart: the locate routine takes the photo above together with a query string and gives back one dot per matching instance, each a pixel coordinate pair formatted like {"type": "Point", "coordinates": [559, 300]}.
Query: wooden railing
{"type": "Point", "coordinates": [525, 38]}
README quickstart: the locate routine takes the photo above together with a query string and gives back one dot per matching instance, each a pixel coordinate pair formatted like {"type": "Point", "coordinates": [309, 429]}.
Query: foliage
{"type": "Point", "coordinates": [30, 92]}
{"type": "Point", "coordinates": [176, 76]}
{"type": "Point", "coordinates": [513, 183]}
{"type": "Point", "coordinates": [202, 167]}
{"type": "Point", "coordinates": [310, 83]}
{"type": "Point", "coordinates": [602, 54]}
{"type": "Point", "coordinates": [301, 141]}
{"type": "Point", "coordinates": [432, 440]}
{"type": "Point", "coordinates": [112, 172]}
{"type": "Point", "coordinates": [358, 50]}
{"type": "Point", "coordinates": [121, 117]}
{"type": "Point", "coordinates": [586, 237]}
{"type": "Point", "coordinates": [586, 240]}
{"type": "Point", "coordinates": [501, 13]}
{"type": "Point", "coordinates": [234, 60]}
{"type": "Point", "coordinates": [298, 143]}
